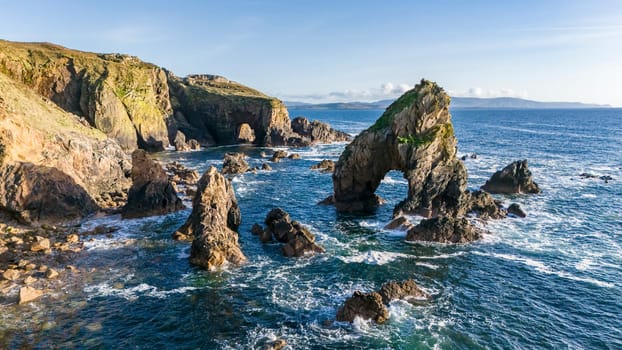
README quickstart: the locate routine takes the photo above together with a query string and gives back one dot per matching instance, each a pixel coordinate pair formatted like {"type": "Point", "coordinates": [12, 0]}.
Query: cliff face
{"type": "Point", "coordinates": [415, 136]}
{"type": "Point", "coordinates": [213, 109]}
{"type": "Point", "coordinates": [53, 165]}
{"type": "Point", "coordinates": [120, 95]}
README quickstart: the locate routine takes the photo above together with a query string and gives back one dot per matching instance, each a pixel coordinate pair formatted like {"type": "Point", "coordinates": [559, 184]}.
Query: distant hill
{"type": "Point", "coordinates": [456, 102]}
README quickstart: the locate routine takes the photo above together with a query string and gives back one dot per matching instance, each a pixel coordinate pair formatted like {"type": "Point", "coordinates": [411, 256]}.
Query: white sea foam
{"type": "Point", "coordinates": [392, 181]}
{"type": "Point", "coordinates": [132, 293]}
{"type": "Point", "coordinates": [374, 258]}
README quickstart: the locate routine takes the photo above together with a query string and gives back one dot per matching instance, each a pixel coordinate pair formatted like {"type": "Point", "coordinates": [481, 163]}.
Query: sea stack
{"type": "Point", "coordinates": [213, 223]}
{"type": "Point", "coordinates": [414, 135]}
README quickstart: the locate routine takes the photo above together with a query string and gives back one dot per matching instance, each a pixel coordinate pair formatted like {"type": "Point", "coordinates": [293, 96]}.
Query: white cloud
{"type": "Point", "coordinates": [387, 90]}
{"type": "Point", "coordinates": [484, 93]}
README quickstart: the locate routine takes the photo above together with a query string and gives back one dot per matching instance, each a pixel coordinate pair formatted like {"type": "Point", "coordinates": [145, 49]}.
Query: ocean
{"type": "Point", "coordinates": [552, 280]}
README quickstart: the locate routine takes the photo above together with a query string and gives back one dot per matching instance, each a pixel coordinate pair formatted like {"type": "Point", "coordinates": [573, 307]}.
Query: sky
{"type": "Point", "coordinates": [327, 51]}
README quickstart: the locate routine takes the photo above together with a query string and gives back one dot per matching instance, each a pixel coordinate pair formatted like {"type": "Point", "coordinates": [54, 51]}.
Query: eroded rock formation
{"type": "Point", "coordinates": [325, 166]}
{"type": "Point", "coordinates": [151, 193]}
{"type": "Point", "coordinates": [415, 136]}
{"type": "Point", "coordinates": [514, 178]}
{"type": "Point", "coordinates": [213, 223]}
{"type": "Point", "coordinates": [401, 290]}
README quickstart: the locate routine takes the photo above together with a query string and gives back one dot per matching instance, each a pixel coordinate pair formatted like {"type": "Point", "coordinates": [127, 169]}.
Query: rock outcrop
{"type": "Point", "coordinates": [373, 305]}
{"type": "Point", "coordinates": [278, 155]}
{"type": "Point", "coordinates": [444, 229]}
{"type": "Point", "coordinates": [53, 167]}
{"type": "Point", "coordinates": [325, 166]}
{"type": "Point", "coordinates": [212, 109]}
{"type": "Point", "coordinates": [415, 136]}
{"type": "Point", "coordinates": [399, 223]}
{"type": "Point", "coordinates": [151, 193]}
{"type": "Point", "coordinates": [234, 163]}
{"type": "Point", "coordinates": [514, 178]}
{"type": "Point", "coordinates": [364, 305]}
{"type": "Point", "coordinates": [298, 240]}
{"type": "Point", "coordinates": [213, 223]}
{"type": "Point", "coordinates": [120, 95]}
{"type": "Point", "coordinates": [401, 290]}
{"type": "Point", "coordinates": [317, 132]}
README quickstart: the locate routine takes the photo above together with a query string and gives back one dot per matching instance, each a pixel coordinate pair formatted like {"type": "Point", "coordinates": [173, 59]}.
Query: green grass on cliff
{"type": "Point", "coordinates": [406, 100]}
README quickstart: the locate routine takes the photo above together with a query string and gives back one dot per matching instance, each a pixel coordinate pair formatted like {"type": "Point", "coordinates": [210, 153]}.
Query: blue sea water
{"type": "Point", "coordinates": [550, 281]}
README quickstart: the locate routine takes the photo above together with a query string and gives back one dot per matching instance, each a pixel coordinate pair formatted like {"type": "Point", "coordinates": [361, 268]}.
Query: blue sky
{"type": "Point", "coordinates": [320, 51]}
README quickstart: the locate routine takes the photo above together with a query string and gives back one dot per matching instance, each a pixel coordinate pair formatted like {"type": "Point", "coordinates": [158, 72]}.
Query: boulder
{"type": "Point", "coordinates": [51, 274]}
{"type": "Point", "coordinates": [37, 193]}
{"type": "Point", "coordinates": [234, 163]}
{"type": "Point", "coordinates": [400, 290]}
{"type": "Point", "coordinates": [266, 167]}
{"type": "Point", "coordinates": [317, 132]}
{"type": "Point", "coordinates": [298, 240]}
{"type": "Point", "coordinates": [11, 274]}
{"type": "Point", "coordinates": [482, 204]}
{"type": "Point", "coordinates": [151, 193]}
{"type": "Point", "coordinates": [28, 294]}
{"type": "Point", "coordinates": [278, 155]}
{"type": "Point", "coordinates": [40, 244]}
{"type": "Point", "coordinates": [213, 223]}
{"type": "Point", "coordinates": [514, 178]}
{"type": "Point", "coordinates": [294, 156]}
{"type": "Point", "coordinates": [246, 134]}
{"type": "Point", "coordinates": [515, 209]}
{"type": "Point", "coordinates": [180, 142]}
{"type": "Point", "coordinates": [194, 145]}
{"type": "Point", "coordinates": [414, 135]}
{"type": "Point", "coordinates": [444, 229]}
{"type": "Point", "coordinates": [326, 166]}
{"type": "Point", "coordinates": [364, 305]}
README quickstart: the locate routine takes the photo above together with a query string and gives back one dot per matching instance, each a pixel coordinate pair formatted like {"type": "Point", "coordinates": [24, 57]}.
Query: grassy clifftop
{"type": "Point", "coordinates": [121, 95]}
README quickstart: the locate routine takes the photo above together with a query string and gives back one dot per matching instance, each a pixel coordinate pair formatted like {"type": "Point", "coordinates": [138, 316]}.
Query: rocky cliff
{"type": "Point", "coordinates": [415, 136]}
{"type": "Point", "coordinates": [213, 109]}
{"type": "Point", "coordinates": [53, 165]}
{"type": "Point", "coordinates": [120, 95]}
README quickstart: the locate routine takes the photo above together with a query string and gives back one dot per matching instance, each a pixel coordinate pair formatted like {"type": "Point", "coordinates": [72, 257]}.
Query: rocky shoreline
{"type": "Point", "coordinates": [105, 134]}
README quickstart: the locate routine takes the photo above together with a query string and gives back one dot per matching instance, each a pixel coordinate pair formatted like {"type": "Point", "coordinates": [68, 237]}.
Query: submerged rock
{"type": "Point", "coordinates": [514, 178]}
{"type": "Point", "coordinates": [151, 192]}
{"type": "Point", "coordinates": [364, 305]}
{"type": "Point", "coordinates": [213, 223]}
{"type": "Point", "coordinates": [414, 135]}
{"type": "Point", "coordinates": [234, 163]}
{"type": "Point", "coordinates": [444, 229]}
